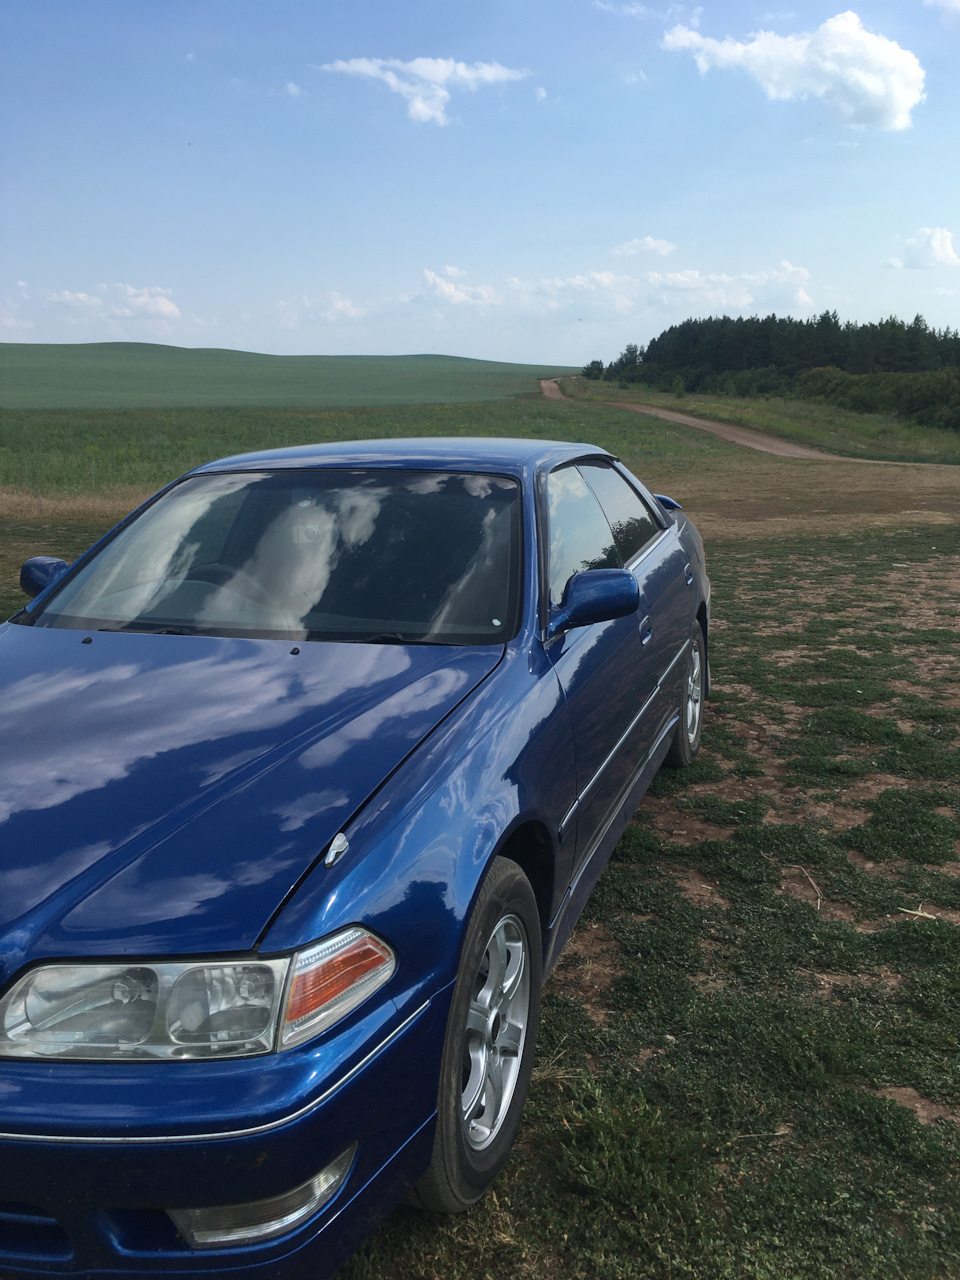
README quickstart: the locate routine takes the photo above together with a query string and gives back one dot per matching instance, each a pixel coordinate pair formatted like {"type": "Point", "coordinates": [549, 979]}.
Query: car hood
{"type": "Point", "coordinates": [163, 794]}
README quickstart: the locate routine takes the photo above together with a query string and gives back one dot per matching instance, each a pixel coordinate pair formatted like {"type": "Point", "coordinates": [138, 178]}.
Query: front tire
{"type": "Point", "coordinates": [686, 742]}
{"type": "Point", "coordinates": [489, 1045]}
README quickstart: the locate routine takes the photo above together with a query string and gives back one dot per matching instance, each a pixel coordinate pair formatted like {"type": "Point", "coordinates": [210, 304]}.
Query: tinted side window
{"type": "Point", "coordinates": [631, 520]}
{"type": "Point", "coordinates": [580, 536]}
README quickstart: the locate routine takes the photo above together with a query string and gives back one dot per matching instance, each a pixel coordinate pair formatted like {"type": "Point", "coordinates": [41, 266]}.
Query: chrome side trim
{"type": "Point", "coordinates": [568, 816]}
{"type": "Point", "coordinates": [156, 1139]}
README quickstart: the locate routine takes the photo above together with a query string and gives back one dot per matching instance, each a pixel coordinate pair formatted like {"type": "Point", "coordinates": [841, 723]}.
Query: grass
{"type": "Point", "coordinates": [83, 451]}
{"type": "Point", "coordinates": [807, 422]}
{"type": "Point", "coordinates": [140, 375]}
{"type": "Point", "coordinates": [747, 1066]}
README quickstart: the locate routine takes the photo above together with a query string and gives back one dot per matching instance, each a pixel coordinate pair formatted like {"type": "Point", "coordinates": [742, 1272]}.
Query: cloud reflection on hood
{"type": "Point", "coordinates": [76, 730]}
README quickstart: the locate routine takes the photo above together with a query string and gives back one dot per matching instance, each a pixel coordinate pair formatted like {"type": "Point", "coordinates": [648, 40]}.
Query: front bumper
{"type": "Point", "coordinates": [89, 1196]}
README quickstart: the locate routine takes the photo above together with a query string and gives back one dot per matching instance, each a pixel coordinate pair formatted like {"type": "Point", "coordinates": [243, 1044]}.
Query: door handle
{"type": "Point", "coordinates": [646, 631]}
{"type": "Point", "coordinates": [688, 574]}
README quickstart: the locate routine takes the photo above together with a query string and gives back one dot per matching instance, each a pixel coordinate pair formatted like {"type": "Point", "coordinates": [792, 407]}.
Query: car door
{"type": "Point", "coordinates": [607, 671]}
{"type": "Point", "coordinates": [652, 550]}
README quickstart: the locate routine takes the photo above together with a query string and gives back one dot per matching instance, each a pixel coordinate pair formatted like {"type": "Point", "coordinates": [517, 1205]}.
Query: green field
{"type": "Point", "coordinates": [748, 1063]}
{"type": "Point", "coordinates": [83, 451]}
{"type": "Point", "coordinates": [141, 375]}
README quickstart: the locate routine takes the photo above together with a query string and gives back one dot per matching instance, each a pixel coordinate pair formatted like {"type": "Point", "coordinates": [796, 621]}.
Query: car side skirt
{"type": "Point", "coordinates": [576, 897]}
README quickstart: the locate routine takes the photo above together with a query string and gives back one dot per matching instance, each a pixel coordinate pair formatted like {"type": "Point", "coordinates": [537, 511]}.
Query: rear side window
{"type": "Point", "coordinates": [580, 537]}
{"type": "Point", "coordinates": [630, 518]}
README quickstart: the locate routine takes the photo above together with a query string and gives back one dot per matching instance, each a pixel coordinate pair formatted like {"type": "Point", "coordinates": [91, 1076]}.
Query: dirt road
{"type": "Point", "coordinates": [736, 435]}
{"type": "Point", "coordinates": [550, 389]}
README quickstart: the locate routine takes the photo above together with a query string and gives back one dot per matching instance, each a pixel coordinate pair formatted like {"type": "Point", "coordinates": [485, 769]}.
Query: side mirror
{"type": "Point", "coordinates": [40, 572]}
{"type": "Point", "coordinates": [668, 504]}
{"type": "Point", "coordinates": [596, 595]}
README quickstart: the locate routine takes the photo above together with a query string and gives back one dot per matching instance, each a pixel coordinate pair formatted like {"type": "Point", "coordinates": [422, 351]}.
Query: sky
{"type": "Point", "coordinates": [540, 181]}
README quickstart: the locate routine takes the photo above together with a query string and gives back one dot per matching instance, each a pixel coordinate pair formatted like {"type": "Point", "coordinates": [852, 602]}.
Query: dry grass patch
{"type": "Point", "coordinates": [587, 969]}
{"type": "Point", "coordinates": [696, 889]}
{"type": "Point", "coordinates": [801, 885]}
{"type": "Point", "coordinates": [927, 911]}
{"type": "Point", "coordinates": [887, 979]}
{"type": "Point", "coordinates": [108, 506]}
{"type": "Point", "coordinates": [752, 496]}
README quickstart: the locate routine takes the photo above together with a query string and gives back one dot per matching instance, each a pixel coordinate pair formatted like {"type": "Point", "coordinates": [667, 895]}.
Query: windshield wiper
{"type": "Point", "coordinates": [395, 637]}
{"type": "Point", "coordinates": [148, 629]}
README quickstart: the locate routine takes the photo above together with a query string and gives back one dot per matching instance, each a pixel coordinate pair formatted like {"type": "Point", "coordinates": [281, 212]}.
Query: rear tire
{"type": "Point", "coordinates": [489, 1045]}
{"type": "Point", "coordinates": [686, 741]}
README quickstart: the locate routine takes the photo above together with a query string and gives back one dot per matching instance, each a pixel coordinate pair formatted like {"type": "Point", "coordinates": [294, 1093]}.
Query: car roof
{"type": "Point", "coordinates": [470, 453]}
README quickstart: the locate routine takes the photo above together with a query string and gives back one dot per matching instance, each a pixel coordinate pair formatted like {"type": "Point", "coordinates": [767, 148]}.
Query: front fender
{"type": "Point", "coordinates": [420, 849]}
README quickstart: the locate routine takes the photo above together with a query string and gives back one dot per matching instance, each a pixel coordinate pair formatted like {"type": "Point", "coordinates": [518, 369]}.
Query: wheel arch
{"type": "Point", "coordinates": [529, 845]}
{"type": "Point", "coordinates": [703, 619]}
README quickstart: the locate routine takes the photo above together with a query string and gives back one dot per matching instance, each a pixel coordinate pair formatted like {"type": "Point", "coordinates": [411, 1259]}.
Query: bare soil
{"type": "Point", "coordinates": [587, 969]}
{"type": "Point", "coordinates": [736, 435]}
{"type": "Point", "coordinates": [698, 890]}
{"type": "Point", "coordinates": [923, 1108]}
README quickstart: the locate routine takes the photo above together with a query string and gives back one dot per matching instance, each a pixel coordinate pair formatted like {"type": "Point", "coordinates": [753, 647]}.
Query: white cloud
{"type": "Point", "coordinates": [602, 292]}
{"type": "Point", "coordinates": [948, 6]}
{"type": "Point", "coordinates": [9, 320]}
{"type": "Point", "coordinates": [149, 301]}
{"type": "Point", "coordinates": [86, 302]}
{"type": "Point", "coordinates": [669, 13]}
{"type": "Point", "coordinates": [293, 90]}
{"type": "Point", "coordinates": [330, 306]}
{"type": "Point", "coordinates": [647, 244]}
{"type": "Point", "coordinates": [714, 290]}
{"type": "Point", "coordinates": [540, 93]}
{"type": "Point", "coordinates": [340, 308]}
{"type": "Point", "coordinates": [287, 314]}
{"type": "Point", "coordinates": [426, 83]}
{"type": "Point", "coordinates": [446, 290]}
{"type": "Point", "coordinates": [866, 78]}
{"type": "Point", "coordinates": [928, 247]}
{"type": "Point", "coordinates": [118, 302]}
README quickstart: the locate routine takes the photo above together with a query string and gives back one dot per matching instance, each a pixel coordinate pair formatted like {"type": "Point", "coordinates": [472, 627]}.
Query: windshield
{"type": "Point", "coordinates": [375, 555]}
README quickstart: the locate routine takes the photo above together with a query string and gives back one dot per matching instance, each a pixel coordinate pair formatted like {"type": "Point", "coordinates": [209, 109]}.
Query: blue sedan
{"type": "Point", "coordinates": [307, 769]}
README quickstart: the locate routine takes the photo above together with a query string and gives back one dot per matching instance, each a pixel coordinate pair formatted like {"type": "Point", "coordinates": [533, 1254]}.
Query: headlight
{"type": "Point", "coordinates": [199, 1009]}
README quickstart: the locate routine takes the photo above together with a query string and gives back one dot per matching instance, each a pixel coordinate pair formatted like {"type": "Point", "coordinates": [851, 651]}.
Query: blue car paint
{"type": "Point", "coordinates": [233, 735]}
{"type": "Point", "coordinates": [438, 786]}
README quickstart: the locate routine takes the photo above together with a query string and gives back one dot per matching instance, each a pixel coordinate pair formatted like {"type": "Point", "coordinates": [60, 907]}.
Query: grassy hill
{"type": "Point", "coordinates": [142, 375]}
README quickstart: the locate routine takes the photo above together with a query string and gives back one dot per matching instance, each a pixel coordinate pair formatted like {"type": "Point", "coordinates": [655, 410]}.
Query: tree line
{"type": "Point", "coordinates": [912, 370]}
